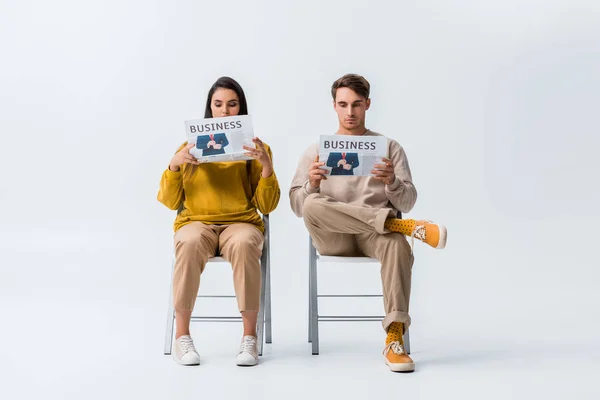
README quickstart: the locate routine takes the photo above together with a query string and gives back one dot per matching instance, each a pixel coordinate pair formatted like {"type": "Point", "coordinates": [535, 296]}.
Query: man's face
{"type": "Point", "coordinates": [350, 108]}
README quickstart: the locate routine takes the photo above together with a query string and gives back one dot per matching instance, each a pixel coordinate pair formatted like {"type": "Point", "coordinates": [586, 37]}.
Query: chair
{"type": "Point", "coordinates": [313, 298]}
{"type": "Point", "coordinates": [263, 325]}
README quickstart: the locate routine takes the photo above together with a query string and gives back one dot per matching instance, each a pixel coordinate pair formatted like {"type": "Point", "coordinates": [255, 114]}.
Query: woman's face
{"type": "Point", "coordinates": [224, 103]}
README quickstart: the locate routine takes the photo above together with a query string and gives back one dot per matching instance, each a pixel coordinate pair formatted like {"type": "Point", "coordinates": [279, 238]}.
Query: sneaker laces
{"type": "Point", "coordinates": [420, 233]}
{"type": "Point", "coordinates": [248, 345]}
{"type": "Point", "coordinates": [396, 347]}
{"type": "Point", "coordinates": [187, 345]}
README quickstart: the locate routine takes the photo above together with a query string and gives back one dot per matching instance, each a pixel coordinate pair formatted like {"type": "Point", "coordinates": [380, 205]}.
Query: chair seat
{"type": "Point", "coordinates": [345, 260]}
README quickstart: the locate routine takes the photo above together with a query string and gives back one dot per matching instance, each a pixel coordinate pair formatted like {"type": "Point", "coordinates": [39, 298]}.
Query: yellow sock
{"type": "Point", "coordinates": [395, 332]}
{"type": "Point", "coordinates": [403, 226]}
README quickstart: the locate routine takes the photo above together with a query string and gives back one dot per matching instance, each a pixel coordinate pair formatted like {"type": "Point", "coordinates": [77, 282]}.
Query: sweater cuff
{"type": "Point", "coordinates": [309, 189]}
{"type": "Point", "coordinates": [268, 182]}
{"type": "Point", "coordinates": [395, 185]}
{"type": "Point", "coordinates": [172, 175]}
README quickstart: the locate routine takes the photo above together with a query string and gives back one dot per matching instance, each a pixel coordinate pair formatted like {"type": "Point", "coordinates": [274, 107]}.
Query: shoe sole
{"type": "Point", "coordinates": [443, 237]}
{"type": "Point", "coordinates": [246, 365]}
{"type": "Point", "coordinates": [178, 361]}
{"type": "Point", "coordinates": [402, 367]}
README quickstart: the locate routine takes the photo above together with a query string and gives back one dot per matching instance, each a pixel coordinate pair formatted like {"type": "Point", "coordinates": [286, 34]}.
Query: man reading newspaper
{"type": "Point", "coordinates": [358, 215]}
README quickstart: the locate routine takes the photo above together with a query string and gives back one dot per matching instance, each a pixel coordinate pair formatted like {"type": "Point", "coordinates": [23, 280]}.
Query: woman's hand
{"type": "Point", "coordinates": [260, 154]}
{"type": "Point", "coordinates": [181, 157]}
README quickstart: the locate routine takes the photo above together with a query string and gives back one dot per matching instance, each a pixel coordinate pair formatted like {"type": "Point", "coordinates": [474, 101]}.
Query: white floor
{"type": "Point", "coordinates": [120, 358]}
{"type": "Point", "coordinates": [88, 322]}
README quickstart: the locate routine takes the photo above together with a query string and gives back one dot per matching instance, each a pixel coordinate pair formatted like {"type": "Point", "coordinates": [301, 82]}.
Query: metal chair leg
{"type": "Point", "coordinates": [260, 328]}
{"type": "Point", "coordinates": [309, 290]}
{"type": "Point", "coordinates": [314, 306]}
{"type": "Point", "coordinates": [268, 327]}
{"type": "Point", "coordinates": [170, 318]}
{"type": "Point", "coordinates": [169, 333]}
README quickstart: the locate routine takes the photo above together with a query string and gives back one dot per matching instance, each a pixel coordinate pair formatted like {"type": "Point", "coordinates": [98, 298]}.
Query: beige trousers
{"type": "Point", "coordinates": [340, 229]}
{"type": "Point", "coordinates": [240, 244]}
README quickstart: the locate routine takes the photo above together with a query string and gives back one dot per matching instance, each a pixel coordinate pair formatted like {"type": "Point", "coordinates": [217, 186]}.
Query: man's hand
{"type": "Point", "coordinates": [347, 167]}
{"type": "Point", "coordinates": [217, 146]}
{"type": "Point", "coordinates": [211, 143]}
{"type": "Point", "coordinates": [341, 162]}
{"type": "Point", "coordinates": [316, 174]}
{"type": "Point", "coordinates": [384, 172]}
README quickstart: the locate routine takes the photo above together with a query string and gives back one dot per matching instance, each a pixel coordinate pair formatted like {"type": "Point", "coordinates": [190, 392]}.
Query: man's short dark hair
{"type": "Point", "coordinates": [352, 81]}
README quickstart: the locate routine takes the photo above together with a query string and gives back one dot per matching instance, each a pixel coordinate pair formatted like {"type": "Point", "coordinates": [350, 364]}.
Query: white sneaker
{"type": "Point", "coordinates": [184, 351]}
{"type": "Point", "coordinates": [248, 355]}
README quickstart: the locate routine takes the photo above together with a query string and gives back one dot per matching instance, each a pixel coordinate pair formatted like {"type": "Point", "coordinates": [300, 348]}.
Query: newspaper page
{"type": "Point", "coordinates": [351, 155]}
{"type": "Point", "coordinates": [220, 139]}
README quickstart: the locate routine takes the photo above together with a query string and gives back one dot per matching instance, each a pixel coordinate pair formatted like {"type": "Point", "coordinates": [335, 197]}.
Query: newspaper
{"type": "Point", "coordinates": [220, 139]}
{"type": "Point", "coordinates": [351, 155]}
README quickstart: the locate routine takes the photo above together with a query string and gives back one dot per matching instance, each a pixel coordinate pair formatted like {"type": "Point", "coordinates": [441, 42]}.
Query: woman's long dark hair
{"type": "Point", "coordinates": [226, 82]}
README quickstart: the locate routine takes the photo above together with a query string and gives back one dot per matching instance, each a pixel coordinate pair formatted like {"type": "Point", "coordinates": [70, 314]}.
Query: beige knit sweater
{"type": "Point", "coordinates": [358, 190]}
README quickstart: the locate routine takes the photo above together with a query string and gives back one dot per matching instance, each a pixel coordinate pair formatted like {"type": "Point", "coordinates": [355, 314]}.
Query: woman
{"type": "Point", "coordinates": [219, 217]}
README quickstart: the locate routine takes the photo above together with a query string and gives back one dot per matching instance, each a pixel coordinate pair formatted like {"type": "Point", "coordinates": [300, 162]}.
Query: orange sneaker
{"type": "Point", "coordinates": [396, 358]}
{"type": "Point", "coordinates": [428, 232]}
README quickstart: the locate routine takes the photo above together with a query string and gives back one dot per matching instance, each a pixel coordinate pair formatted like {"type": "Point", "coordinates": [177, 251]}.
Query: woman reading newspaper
{"type": "Point", "coordinates": [219, 205]}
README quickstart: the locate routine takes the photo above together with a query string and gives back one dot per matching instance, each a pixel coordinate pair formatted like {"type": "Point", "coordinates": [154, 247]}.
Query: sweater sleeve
{"type": "Point", "coordinates": [170, 192]}
{"type": "Point", "coordinates": [402, 194]}
{"type": "Point", "coordinates": [300, 187]}
{"type": "Point", "coordinates": [266, 190]}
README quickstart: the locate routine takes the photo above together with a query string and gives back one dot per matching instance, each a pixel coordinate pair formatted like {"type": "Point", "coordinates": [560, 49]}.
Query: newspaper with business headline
{"type": "Point", "coordinates": [220, 139]}
{"type": "Point", "coordinates": [346, 155]}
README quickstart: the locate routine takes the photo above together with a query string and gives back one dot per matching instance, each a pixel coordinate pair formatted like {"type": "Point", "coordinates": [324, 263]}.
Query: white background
{"type": "Point", "coordinates": [495, 102]}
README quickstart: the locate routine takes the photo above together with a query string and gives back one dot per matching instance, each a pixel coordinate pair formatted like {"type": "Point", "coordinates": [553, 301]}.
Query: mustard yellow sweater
{"type": "Point", "coordinates": [220, 193]}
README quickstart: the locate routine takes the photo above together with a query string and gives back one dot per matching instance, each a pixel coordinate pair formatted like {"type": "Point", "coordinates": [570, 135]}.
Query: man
{"type": "Point", "coordinates": [212, 144]}
{"type": "Point", "coordinates": [356, 215]}
{"type": "Point", "coordinates": [342, 163]}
